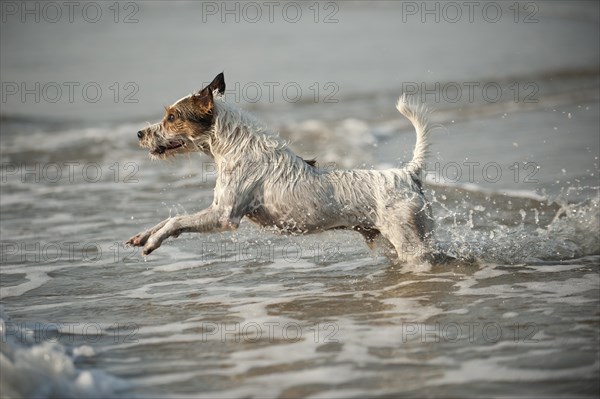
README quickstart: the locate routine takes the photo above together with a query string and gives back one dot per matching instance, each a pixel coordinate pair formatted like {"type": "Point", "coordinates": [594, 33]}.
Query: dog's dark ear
{"type": "Point", "coordinates": [217, 84]}
{"type": "Point", "coordinates": [204, 100]}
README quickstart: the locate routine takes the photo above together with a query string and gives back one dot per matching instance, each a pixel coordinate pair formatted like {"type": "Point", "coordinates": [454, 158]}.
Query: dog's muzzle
{"type": "Point", "coordinates": [171, 145]}
{"type": "Point", "coordinates": [159, 145]}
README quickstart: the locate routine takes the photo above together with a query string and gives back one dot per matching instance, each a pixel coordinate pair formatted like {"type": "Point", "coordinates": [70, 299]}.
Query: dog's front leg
{"type": "Point", "coordinates": [209, 220]}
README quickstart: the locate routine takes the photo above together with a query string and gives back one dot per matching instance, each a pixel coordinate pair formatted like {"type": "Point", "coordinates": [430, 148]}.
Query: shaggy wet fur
{"type": "Point", "coordinates": [259, 177]}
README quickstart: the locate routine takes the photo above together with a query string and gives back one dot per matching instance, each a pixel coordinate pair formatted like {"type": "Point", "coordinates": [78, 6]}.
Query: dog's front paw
{"type": "Point", "coordinates": [151, 245]}
{"type": "Point", "coordinates": [139, 239]}
{"type": "Point", "coordinates": [170, 229]}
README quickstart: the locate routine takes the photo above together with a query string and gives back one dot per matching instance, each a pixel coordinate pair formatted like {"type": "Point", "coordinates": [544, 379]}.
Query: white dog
{"type": "Point", "coordinates": [260, 178]}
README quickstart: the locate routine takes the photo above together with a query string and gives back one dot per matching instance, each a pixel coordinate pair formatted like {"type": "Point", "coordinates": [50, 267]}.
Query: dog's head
{"type": "Point", "coordinates": [186, 125]}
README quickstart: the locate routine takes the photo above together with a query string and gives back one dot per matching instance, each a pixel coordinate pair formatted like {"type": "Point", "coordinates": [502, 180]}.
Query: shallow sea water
{"type": "Point", "coordinates": [256, 314]}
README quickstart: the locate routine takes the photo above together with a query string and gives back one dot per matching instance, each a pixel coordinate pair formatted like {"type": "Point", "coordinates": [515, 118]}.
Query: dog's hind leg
{"type": "Point", "coordinates": [408, 247]}
{"type": "Point", "coordinates": [409, 232]}
{"type": "Point", "coordinates": [370, 234]}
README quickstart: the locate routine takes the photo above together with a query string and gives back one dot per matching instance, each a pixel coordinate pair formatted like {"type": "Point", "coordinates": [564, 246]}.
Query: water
{"type": "Point", "coordinates": [514, 184]}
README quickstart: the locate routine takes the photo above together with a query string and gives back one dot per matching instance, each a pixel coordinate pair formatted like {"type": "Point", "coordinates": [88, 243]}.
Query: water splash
{"type": "Point", "coordinates": [513, 229]}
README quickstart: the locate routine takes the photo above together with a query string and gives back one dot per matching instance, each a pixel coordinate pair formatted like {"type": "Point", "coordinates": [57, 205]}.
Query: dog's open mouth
{"type": "Point", "coordinates": [171, 145]}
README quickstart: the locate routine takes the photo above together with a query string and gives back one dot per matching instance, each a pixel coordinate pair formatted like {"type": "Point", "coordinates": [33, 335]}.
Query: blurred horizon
{"type": "Point", "coordinates": [109, 71]}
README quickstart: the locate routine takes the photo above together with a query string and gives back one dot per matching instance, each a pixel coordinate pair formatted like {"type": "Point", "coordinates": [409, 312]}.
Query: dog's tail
{"type": "Point", "coordinates": [417, 115]}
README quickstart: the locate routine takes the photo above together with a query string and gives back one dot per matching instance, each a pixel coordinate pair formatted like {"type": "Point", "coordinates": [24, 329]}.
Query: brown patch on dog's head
{"type": "Point", "coordinates": [186, 125]}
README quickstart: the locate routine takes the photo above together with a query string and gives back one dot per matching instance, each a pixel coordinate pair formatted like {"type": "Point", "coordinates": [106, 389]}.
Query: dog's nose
{"type": "Point", "coordinates": [140, 134]}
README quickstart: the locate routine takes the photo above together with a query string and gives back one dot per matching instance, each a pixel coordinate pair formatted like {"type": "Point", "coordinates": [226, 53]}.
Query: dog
{"type": "Point", "coordinates": [260, 178]}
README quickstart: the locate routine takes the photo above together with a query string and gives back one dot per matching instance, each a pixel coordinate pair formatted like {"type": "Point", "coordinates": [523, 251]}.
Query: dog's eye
{"type": "Point", "coordinates": [171, 117]}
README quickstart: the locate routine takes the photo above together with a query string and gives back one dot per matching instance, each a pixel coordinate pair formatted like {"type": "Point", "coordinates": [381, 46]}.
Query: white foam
{"type": "Point", "coordinates": [47, 370]}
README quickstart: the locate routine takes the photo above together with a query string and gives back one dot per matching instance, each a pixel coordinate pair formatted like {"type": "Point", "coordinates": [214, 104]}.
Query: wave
{"type": "Point", "coordinates": [48, 369]}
